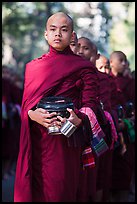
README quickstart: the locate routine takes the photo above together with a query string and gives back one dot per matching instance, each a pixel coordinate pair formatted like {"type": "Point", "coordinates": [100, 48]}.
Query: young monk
{"type": "Point", "coordinates": [125, 85]}
{"type": "Point", "coordinates": [102, 64]}
{"type": "Point", "coordinates": [123, 165]}
{"type": "Point", "coordinates": [88, 50]}
{"type": "Point", "coordinates": [74, 43]}
{"type": "Point", "coordinates": [49, 167]}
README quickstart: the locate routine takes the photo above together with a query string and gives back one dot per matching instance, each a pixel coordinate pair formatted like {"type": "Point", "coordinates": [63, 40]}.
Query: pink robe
{"type": "Point", "coordinates": [49, 167]}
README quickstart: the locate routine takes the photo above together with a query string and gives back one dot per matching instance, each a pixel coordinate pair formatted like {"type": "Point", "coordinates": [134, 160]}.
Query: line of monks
{"type": "Point", "coordinates": [117, 94]}
{"type": "Point", "coordinates": [49, 168]}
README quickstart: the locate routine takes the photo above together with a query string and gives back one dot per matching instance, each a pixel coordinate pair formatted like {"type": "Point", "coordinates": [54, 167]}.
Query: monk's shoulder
{"type": "Point", "coordinates": [103, 75]}
{"type": "Point", "coordinates": [38, 59]}
{"type": "Point", "coordinates": [83, 61]}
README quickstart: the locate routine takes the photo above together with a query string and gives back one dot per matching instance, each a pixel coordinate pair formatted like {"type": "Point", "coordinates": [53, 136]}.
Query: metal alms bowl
{"type": "Point", "coordinates": [58, 104]}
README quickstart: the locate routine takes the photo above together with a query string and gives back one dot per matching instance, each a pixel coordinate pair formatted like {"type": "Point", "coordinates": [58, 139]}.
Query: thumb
{"type": "Point", "coordinates": [72, 113]}
{"type": "Point", "coordinates": [69, 110]}
{"type": "Point", "coordinates": [42, 110]}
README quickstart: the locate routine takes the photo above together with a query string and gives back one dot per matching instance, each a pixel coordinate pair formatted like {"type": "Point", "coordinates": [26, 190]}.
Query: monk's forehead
{"type": "Point", "coordinates": [86, 41]}
{"type": "Point", "coordinates": [83, 40]}
{"type": "Point", "coordinates": [118, 55]}
{"type": "Point", "coordinates": [59, 16]}
{"type": "Point", "coordinates": [103, 58]}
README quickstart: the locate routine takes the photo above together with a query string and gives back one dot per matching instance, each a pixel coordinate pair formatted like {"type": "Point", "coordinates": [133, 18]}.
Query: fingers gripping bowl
{"type": "Point", "coordinates": [58, 104]}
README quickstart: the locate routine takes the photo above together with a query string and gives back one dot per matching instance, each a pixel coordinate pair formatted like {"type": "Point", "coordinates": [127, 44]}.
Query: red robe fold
{"type": "Point", "coordinates": [42, 172]}
{"type": "Point", "coordinates": [125, 89]}
{"type": "Point", "coordinates": [123, 166]}
{"type": "Point", "coordinates": [105, 90]}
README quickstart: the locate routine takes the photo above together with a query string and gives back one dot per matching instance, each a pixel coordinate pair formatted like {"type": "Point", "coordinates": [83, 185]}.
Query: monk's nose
{"type": "Point", "coordinates": [123, 63]}
{"type": "Point", "coordinates": [80, 51]}
{"type": "Point", "coordinates": [58, 33]}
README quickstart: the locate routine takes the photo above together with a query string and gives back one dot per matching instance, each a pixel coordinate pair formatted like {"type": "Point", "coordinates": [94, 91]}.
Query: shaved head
{"type": "Point", "coordinates": [87, 49]}
{"type": "Point", "coordinates": [102, 64]}
{"type": "Point", "coordinates": [118, 62]}
{"type": "Point", "coordinates": [92, 45]}
{"type": "Point", "coordinates": [59, 30]}
{"type": "Point", "coordinates": [59, 15]}
{"type": "Point", "coordinates": [102, 57]}
{"type": "Point", "coordinates": [117, 54]}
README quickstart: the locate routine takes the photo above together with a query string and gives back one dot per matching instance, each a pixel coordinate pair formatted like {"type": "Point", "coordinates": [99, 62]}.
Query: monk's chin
{"type": "Point", "coordinates": [58, 47]}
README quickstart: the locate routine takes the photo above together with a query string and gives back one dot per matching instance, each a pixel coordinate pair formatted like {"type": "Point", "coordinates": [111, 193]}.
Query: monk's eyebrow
{"type": "Point", "coordinates": [53, 26]}
{"type": "Point", "coordinates": [64, 26]}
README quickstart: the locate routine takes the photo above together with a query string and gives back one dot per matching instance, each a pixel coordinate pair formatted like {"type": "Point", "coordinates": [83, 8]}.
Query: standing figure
{"type": "Point", "coordinates": [49, 167]}
{"type": "Point", "coordinates": [124, 156]}
{"type": "Point", "coordinates": [102, 173]}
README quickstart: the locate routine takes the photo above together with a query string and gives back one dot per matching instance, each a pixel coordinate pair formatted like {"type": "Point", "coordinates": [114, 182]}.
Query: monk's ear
{"type": "Point", "coordinates": [45, 35]}
{"type": "Point", "coordinates": [110, 63]}
{"type": "Point", "coordinates": [98, 55]}
{"type": "Point", "coordinates": [73, 35]}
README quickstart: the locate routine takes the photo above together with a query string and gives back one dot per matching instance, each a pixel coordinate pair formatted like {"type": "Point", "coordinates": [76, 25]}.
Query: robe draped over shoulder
{"type": "Point", "coordinates": [57, 73]}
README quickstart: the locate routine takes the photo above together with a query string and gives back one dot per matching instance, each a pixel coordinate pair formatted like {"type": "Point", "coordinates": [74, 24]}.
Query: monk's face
{"type": "Point", "coordinates": [86, 50]}
{"type": "Point", "coordinates": [102, 64]}
{"type": "Point", "coordinates": [59, 31]}
{"type": "Point", "coordinates": [118, 62]}
{"type": "Point", "coordinates": [74, 44]}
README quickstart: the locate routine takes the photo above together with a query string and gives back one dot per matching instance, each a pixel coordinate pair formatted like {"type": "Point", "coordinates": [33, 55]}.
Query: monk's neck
{"type": "Point", "coordinates": [115, 73]}
{"type": "Point", "coordinates": [67, 50]}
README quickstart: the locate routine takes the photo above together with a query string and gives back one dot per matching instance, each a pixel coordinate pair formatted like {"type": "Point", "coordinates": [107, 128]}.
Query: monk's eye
{"type": "Point", "coordinates": [86, 48]}
{"type": "Point", "coordinates": [106, 66]}
{"type": "Point", "coordinates": [64, 30]}
{"type": "Point", "coordinates": [52, 29]}
{"type": "Point", "coordinates": [73, 44]}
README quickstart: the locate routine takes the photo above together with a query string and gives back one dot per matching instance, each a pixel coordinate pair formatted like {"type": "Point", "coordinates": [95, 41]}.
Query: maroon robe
{"type": "Point", "coordinates": [17, 95]}
{"type": "Point", "coordinates": [125, 89]}
{"type": "Point", "coordinates": [10, 135]}
{"type": "Point", "coordinates": [7, 140]}
{"type": "Point", "coordinates": [105, 90]}
{"type": "Point", "coordinates": [48, 169]}
{"type": "Point", "coordinates": [114, 93]}
{"type": "Point", "coordinates": [104, 162]}
{"type": "Point", "coordinates": [114, 100]}
{"type": "Point", "coordinates": [123, 165]}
